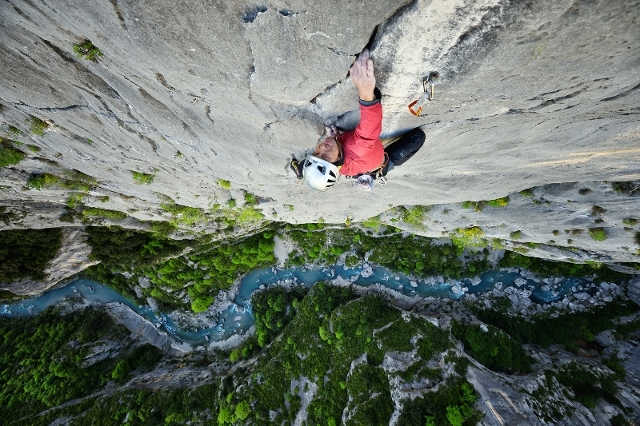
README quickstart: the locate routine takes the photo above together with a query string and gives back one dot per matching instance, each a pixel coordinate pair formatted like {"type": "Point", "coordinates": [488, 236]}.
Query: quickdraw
{"type": "Point", "coordinates": [428, 86]}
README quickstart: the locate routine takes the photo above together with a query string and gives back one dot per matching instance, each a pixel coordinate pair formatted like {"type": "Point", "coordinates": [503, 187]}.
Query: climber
{"type": "Point", "coordinates": [358, 153]}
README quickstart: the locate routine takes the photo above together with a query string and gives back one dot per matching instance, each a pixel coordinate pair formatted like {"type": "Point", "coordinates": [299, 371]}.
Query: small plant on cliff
{"type": "Point", "coordinates": [87, 50]}
{"type": "Point", "coordinates": [415, 215]}
{"type": "Point", "coordinates": [143, 178]}
{"type": "Point", "coordinates": [499, 202]}
{"type": "Point", "coordinates": [9, 155]}
{"type": "Point", "coordinates": [469, 237]}
{"type": "Point", "coordinates": [37, 126]}
{"type": "Point", "coordinates": [224, 184]}
{"type": "Point", "coordinates": [250, 215]}
{"type": "Point", "coordinates": [111, 214]}
{"type": "Point", "coordinates": [516, 235]}
{"type": "Point", "coordinates": [250, 198]}
{"type": "Point", "coordinates": [13, 132]}
{"type": "Point", "coordinates": [598, 234]}
{"type": "Point", "coordinates": [74, 200]}
{"type": "Point", "coordinates": [45, 180]}
{"type": "Point", "coordinates": [479, 205]}
{"type": "Point", "coordinates": [475, 205]}
{"type": "Point", "coordinates": [497, 244]}
{"type": "Point", "coordinates": [75, 181]}
{"type": "Point", "coordinates": [184, 215]}
{"type": "Point", "coordinates": [628, 188]}
{"type": "Point", "coordinates": [373, 222]}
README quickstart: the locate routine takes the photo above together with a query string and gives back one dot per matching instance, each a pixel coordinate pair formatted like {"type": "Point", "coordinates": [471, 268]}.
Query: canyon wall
{"type": "Point", "coordinates": [530, 94]}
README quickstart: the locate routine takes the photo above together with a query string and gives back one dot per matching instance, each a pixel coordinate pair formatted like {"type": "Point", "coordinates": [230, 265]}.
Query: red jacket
{"type": "Point", "coordinates": [362, 148]}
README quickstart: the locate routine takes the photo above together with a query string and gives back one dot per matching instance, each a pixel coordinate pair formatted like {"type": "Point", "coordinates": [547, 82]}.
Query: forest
{"type": "Point", "coordinates": [55, 356]}
{"type": "Point", "coordinates": [328, 355]}
{"type": "Point", "coordinates": [327, 352]}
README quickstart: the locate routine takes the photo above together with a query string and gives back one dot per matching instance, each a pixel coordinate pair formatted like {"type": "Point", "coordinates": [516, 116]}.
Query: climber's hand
{"type": "Point", "coordinates": [331, 131]}
{"type": "Point", "coordinates": [362, 76]}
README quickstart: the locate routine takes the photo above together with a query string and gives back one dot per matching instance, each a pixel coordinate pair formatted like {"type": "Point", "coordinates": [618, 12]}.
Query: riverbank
{"type": "Point", "coordinates": [229, 320]}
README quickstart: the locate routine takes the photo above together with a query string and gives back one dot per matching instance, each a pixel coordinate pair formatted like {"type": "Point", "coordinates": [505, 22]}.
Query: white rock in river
{"type": "Point", "coordinates": [413, 284]}
{"type": "Point", "coordinates": [367, 272]}
{"type": "Point", "coordinates": [520, 282]}
{"type": "Point", "coordinates": [582, 296]}
{"type": "Point", "coordinates": [498, 286]}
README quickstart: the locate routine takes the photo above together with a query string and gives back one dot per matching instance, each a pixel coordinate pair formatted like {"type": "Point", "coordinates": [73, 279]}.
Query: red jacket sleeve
{"type": "Point", "coordinates": [368, 131]}
{"type": "Point", "coordinates": [362, 148]}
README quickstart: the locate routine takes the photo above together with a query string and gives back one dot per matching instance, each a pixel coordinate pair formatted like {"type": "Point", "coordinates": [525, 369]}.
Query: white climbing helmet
{"type": "Point", "coordinates": [319, 174]}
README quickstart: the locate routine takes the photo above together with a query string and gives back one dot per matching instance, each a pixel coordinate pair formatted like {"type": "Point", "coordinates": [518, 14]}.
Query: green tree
{"type": "Point", "coordinates": [242, 410]}
{"type": "Point", "coordinates": [454, 416]}
{"type": "Point", "coordinates": [121, 371]}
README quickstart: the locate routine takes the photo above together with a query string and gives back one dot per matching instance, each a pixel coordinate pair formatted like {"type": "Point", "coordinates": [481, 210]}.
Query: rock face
{"type": "Point", "coordinates": [145, 331]}
{"type": "Point", "coordinates": [529, 94]}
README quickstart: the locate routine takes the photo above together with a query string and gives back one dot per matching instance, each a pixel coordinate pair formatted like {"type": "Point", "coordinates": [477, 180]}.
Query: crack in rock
{"type": "Point", "coordinates": [51, 109]}
{"type": "Point", "coordinates": [623, 94]}
{"type": "Point", "coordinates": [289, 13]}
{"type": "Point", "coordinates": [252, 14]}
{"type": "Point", "coordinates": [116, 8]}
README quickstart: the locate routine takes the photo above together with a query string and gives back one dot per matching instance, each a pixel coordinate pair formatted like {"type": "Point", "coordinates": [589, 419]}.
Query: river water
{"type": "Point", "coordinates": [238, 317]}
